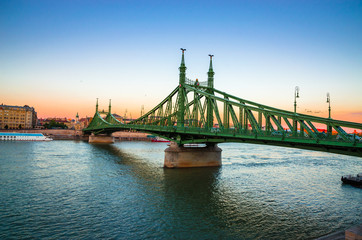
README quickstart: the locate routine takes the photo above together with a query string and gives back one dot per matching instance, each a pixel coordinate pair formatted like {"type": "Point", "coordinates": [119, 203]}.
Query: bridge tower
{"type": "Point", "coordinates": [97, 106]}
{"type": "Point", "coordinates": [101, 138]}
{"type": "Point", "coordinates": [179, 156]}
{"type": "Point", "coordinates": [109, 108]}
{"type": "Point", "coordinates": [210, 90]}
{"type": "Point", "coordinates": [181, 95]}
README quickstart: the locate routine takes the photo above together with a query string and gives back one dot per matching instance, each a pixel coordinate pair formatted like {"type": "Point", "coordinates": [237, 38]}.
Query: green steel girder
{"type": "Point", "coordinates": [277, 122]}
{"type": "Point", "coordinates": [340, 131]}
{"type": "Point", "coordinates": [310, 132]}
{"type": "Point", "coordinates": [99, 120]}
{"type": "Point", "coordinates": [111, 119]}
{"type": "Point", "coordinates": [253, 122]}
{"type": "Point", "coordinates": [288, 123]}
{"type": "Point", "coordinates": [231, 111]}
{"type": "Point", "coordinates": [289, 114]}
{"type": "Point", "coordinates": [155, 108]}
{"type": "Point", "coordinates": [97, 123]}
{"type": "Point", "coordinates": [285, 114]}
{"type": "Point", "coordinates": [218, 118]}
{"type": "Point", "coordinates": [202, 135]}
{"type": "Point", "coordinates": [315, 130]}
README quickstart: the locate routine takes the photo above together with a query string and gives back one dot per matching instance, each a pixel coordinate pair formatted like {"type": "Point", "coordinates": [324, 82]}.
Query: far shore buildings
{"type": "Point", "coordinates": [17, 117]}
{"type": "Point", "coordinates": [25, 117]}
{"type": "Point", "coordinates": [75, 124]}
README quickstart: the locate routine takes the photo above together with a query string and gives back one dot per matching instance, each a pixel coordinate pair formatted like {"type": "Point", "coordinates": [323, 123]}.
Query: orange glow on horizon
{"type": "Point", "coordinates": [45, 111]}
{"type": "Point", "coordinates": [55, 107]}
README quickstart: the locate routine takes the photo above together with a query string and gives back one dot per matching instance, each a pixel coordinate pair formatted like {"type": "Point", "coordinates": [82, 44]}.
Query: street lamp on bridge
{"type": "Point", "coordinates": [295, 124]}
{"type": "Point", "coordinates": [296, 95]}
{"type": "Point", "coordinates": [329, 105]}
{"type": "Point", "coordinates": [329, 127]}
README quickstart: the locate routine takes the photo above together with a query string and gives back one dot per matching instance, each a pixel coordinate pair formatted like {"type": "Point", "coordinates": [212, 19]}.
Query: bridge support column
{"type": "Point", "coordinates": [183, 157]}
{"type": "Point", "coordinates": [101, 138]}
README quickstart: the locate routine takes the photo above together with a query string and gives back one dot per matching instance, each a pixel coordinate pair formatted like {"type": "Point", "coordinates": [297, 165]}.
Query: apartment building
{"type": "Point", "coordinates": [16, 117]}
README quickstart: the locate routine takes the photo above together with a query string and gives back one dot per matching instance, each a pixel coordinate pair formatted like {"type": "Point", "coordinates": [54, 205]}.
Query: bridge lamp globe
{"type": "Point", "coordinates": [297, 92]}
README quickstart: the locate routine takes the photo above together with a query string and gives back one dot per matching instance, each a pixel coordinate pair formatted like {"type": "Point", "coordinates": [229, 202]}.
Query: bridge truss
{"type": "Point", "coordinates": [196, 112]}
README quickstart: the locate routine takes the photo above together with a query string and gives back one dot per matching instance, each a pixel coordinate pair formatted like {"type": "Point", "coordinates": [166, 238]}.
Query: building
{"type": "Point", "coordinates": [85, 121]}
{"type": "Point", "coordinates": [76, 123]}
{"type": "Point", "coordinates": [73, 124]}
{"type": "Point", "coordinates": [16, 117]}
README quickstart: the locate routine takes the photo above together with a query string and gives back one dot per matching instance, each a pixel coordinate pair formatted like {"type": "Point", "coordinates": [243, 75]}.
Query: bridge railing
{"type": "Point", "coordinates": [195, 83]}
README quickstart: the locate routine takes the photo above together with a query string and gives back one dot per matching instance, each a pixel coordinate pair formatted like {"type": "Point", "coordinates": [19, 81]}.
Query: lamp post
{"type": "Point", "coordinates": [329, 127]}
{"type": "Point", "coordinates": [296, 95]}
{"type": "Point", "coordinates": [329, 105]}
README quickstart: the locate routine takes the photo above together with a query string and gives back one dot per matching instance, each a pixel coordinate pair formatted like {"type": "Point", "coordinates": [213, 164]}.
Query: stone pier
{"type": "Point", "coordinates": [101, 138]}
{"type": "Point", "coordinates": [183, 157]}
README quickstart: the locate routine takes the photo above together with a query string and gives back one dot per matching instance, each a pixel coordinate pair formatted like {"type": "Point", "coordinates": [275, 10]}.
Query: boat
{"type": "Point", "coordinates": [355, 181]}
{"type": "Point", "coordinates": [195, 145]}
{"type": "Point", "coordinates": [158, 139]}
{"type": "Point", "coordinates": [6, 136]}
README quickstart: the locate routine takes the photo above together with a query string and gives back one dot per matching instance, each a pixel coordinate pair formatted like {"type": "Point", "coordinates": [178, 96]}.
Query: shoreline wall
{"type": "Point", "coordinates": [67, 134]}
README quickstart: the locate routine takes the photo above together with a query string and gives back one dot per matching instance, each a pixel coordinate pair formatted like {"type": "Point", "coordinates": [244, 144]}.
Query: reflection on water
{"type": "Point", "coordinates": [66, 189]}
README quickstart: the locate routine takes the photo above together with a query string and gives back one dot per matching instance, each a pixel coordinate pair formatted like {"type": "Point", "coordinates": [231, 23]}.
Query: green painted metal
{"type": "Point", "coordinates": [196, 112]}
{"type": "Point", "coordinates": [181, 95]}
{"type": "Point", "coordinates": [210, 85]}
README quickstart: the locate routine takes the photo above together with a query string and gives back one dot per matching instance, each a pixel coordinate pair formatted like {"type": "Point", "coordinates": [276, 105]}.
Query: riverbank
{"type": "Point", "coordinates": [67, 134]}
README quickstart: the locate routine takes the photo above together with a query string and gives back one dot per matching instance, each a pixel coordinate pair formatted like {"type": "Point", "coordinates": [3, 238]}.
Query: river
{"type": "Point", "coordinates": [76, 190]}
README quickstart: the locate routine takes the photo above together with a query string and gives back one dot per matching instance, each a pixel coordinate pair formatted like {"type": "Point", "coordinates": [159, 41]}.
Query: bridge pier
{"type": "Point", "coordinates": [184, 157]}
{"type": "Point", "coordinates": [101, 138]}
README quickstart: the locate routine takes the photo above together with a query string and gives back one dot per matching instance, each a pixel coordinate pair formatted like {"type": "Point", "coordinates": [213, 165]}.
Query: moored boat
{"type": "Point", "coordinates": [6, 136]}
{"type": "Point", "coordinates": [158, 139]}
{"type": "Point", "coordinates": [353, 180]}
{"type": "Point", "coordinates": [195, 145]}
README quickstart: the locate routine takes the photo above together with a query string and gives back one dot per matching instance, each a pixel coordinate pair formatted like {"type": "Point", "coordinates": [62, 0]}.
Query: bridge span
{"type": "Point", "coordinates": [195, 112]}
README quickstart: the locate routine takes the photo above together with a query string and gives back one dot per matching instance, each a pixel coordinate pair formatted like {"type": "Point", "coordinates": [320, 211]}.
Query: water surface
{"type": "Point", "coordinates": [76, 190]}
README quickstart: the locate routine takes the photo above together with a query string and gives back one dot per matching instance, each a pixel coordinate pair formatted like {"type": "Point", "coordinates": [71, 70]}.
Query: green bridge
{"type": "Point", "coordinates": [196, 112]}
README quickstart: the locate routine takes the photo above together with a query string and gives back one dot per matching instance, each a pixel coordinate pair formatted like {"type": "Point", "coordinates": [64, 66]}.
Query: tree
{"type": "Point", "coordinates": [20, 127]}
{"type": "Point", "coordinates": [6, 126]}
{"type": "Point", "coordinates": [53, 124]}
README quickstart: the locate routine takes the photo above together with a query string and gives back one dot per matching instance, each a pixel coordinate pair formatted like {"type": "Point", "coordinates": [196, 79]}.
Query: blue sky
{"type": "Point", "coordinates": [59, 56]}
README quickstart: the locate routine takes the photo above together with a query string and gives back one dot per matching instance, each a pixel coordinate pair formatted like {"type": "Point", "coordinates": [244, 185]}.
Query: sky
{"type": "Point", "coordinates": [59, 56]}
